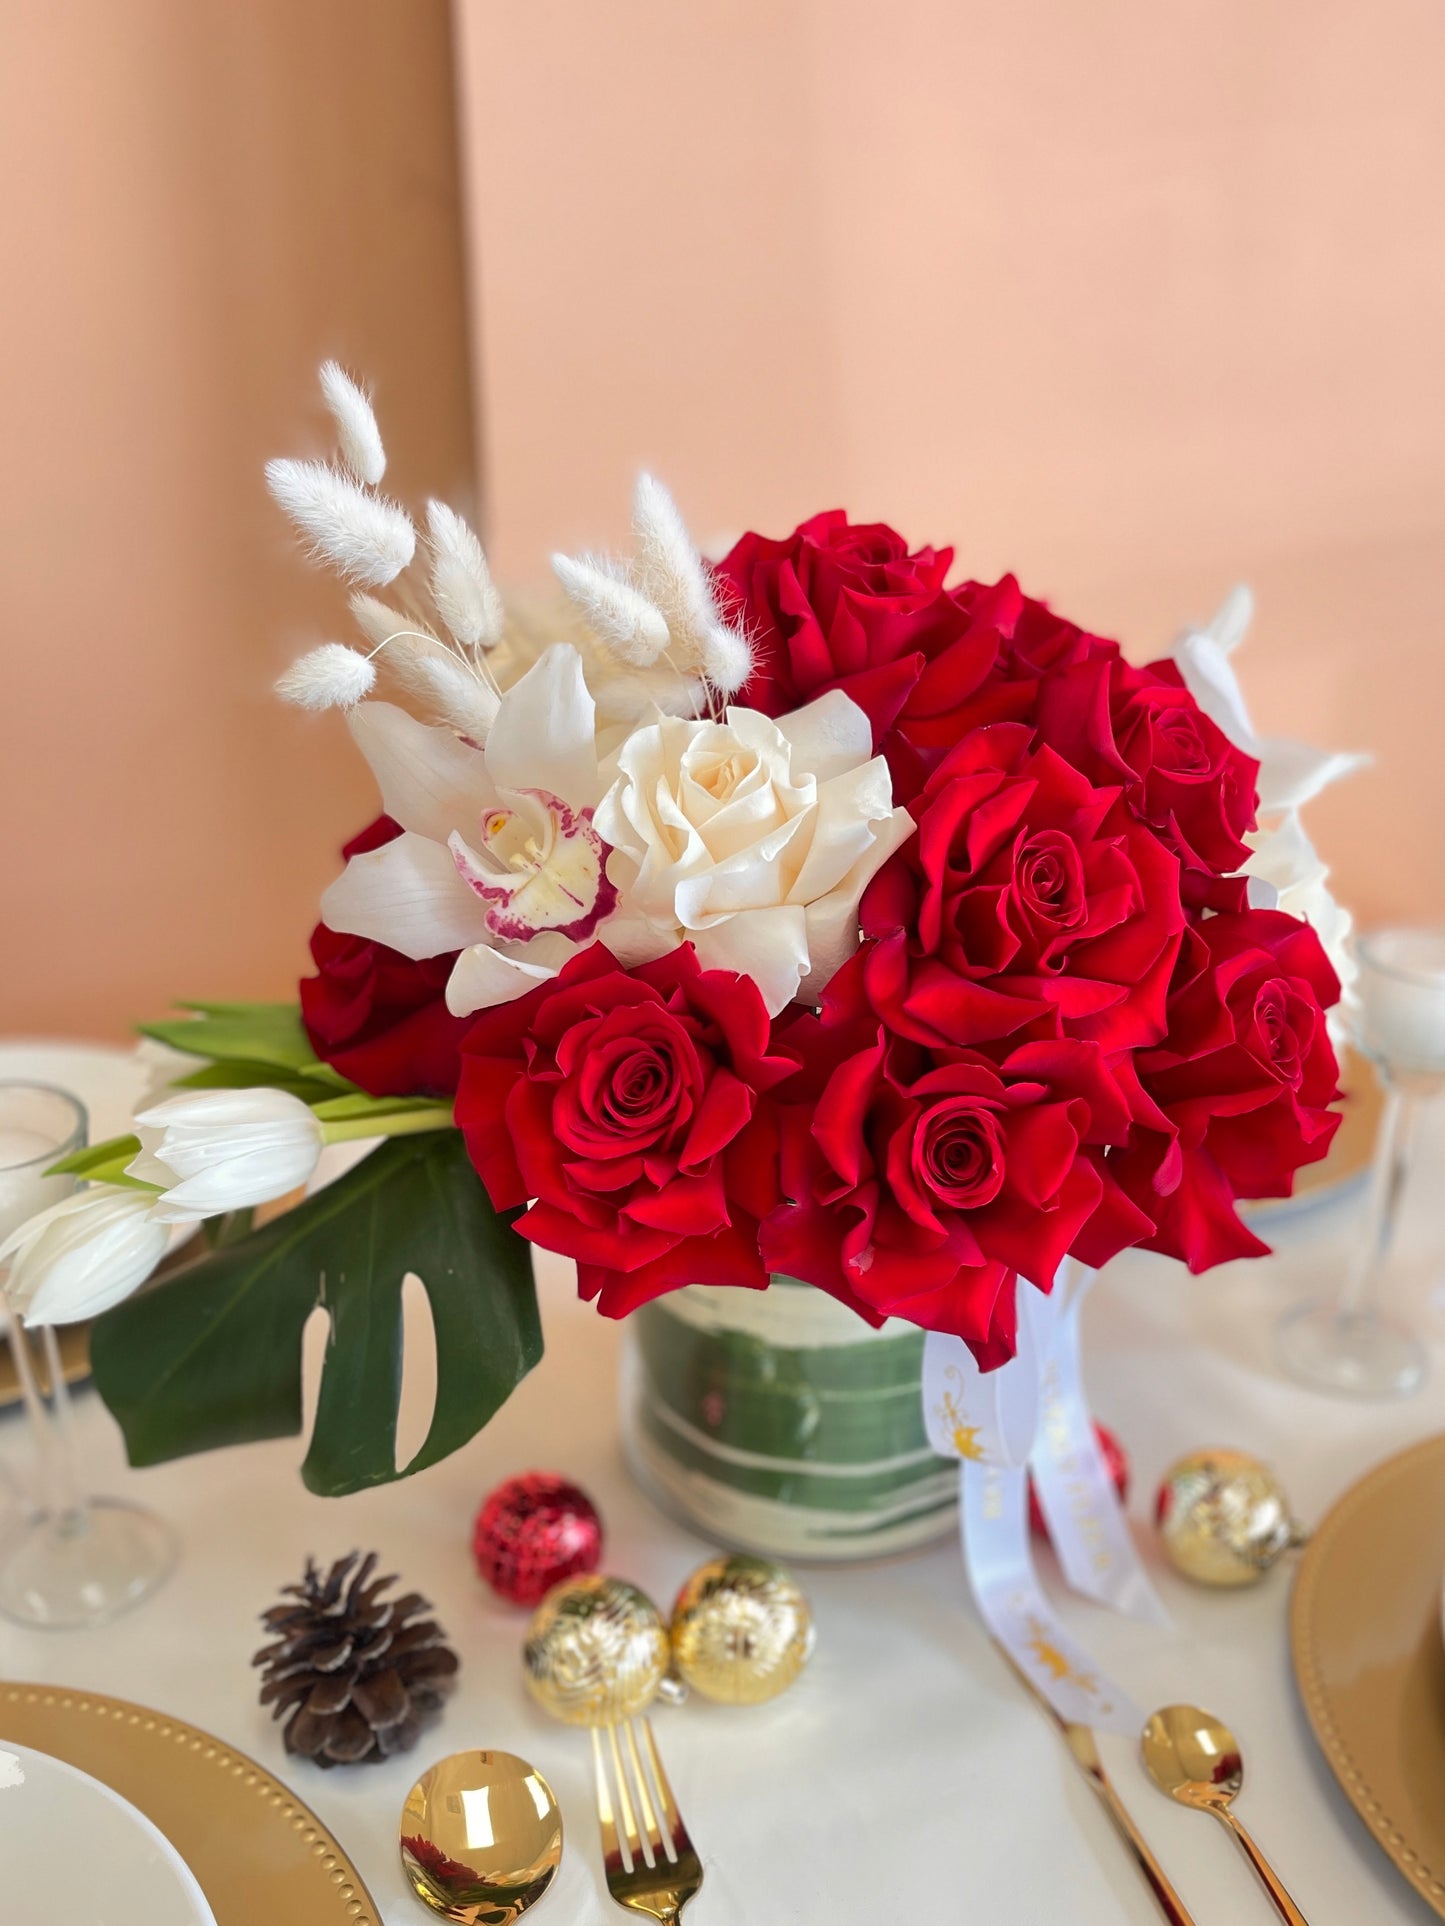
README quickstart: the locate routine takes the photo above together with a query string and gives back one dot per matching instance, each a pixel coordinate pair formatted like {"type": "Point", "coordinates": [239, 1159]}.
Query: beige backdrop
{"type": "Point", "coordinates": [201, 200]}
{"type": "Point", "coordinates": [1134, 298]}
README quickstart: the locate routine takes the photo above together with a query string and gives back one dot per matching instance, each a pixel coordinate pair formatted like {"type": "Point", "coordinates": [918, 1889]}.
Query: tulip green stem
{"type": "Point", "coordinates": [383, 1123]}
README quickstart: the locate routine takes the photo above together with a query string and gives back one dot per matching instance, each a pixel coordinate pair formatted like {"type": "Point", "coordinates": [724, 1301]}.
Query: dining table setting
{"type": "Point", "coordinates": [906, 1771]}
{"type": "Point", "coordinates": [829, 1304]}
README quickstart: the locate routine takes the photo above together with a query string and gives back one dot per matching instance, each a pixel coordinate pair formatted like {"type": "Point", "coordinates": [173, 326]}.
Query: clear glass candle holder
{"type": "Point", "coordinates": [1349, 1343]}
{"type": "Point", "coordinates": [71, 1560]}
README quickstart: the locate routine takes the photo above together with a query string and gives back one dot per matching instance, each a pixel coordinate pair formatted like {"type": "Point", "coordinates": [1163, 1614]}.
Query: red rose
{"type": "Point", "coordinates": [377, 1016]}
{"type": "Point", "coordinates": [921, 1183]}
{"type": "Point", "coordinates": [624, 1103]}
{"type": "Point", "coordinates": [1142, 728]}
{"type": "Point", "coordinates": [1030, 904]}
{"type": "Point", "coordinates": [1241, 1087]}
{"type": "Point", "coordinates": [842, 605]}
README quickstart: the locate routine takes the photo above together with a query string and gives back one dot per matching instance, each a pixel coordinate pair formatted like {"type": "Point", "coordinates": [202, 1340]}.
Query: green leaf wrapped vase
{"type": "Point", "coordinates": [777, 1421]}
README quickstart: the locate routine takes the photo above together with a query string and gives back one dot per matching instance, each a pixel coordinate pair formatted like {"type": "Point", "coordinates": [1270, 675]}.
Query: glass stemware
{"type": "Point", "coordinates": [1347, 1344]}
{"type": "Point", "coordinates": [72, 1560]}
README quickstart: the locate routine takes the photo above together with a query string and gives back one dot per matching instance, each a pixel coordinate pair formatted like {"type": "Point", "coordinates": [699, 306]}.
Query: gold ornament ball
{"type": "Point", "coordinates": [596, 1650]}
{"type": "Point", "coordinates": [1224, 1517]}
{"type": "Point", "coordinates": [742, 1630]}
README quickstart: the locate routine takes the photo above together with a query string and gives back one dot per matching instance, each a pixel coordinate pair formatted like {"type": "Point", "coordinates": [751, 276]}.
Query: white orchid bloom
{"type": "Point", "coordinates": [82, 1255]}
{"type": "Point", "coordinates": [1284, 869]}
{"type": "Point", "coordinates": [1286, 872]}
{"type": "Point", "coordinates": [499, 858]}
{"type": "Point", "coordinates": [209, 1151]}
{"type": "Point", "coordinates": [752, 839]}
{"type": "Point", "coordinates": [1290, 772]}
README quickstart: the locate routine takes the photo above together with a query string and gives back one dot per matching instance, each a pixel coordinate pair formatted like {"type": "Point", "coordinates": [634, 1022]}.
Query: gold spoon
{"type": "Point", "coordinates": [1196, 1760]}
{"type": "Point", "coordinates": [481, 1838]}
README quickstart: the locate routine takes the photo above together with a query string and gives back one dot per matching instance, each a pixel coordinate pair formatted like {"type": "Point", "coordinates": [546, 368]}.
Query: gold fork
{"type": "Point", "coordinates": [651, 1867]}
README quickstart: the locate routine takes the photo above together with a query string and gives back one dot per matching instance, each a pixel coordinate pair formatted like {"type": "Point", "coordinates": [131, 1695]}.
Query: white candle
{"type": "Point", "coordinates": [25, 1155]}
{"type": "Point", "coordinates": [1402, 994]}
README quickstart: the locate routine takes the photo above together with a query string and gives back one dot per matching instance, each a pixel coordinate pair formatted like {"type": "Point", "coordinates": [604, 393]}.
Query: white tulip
{"type": "Point", "coordinates": [82, 1255]}
{"type": "Point", "coordinates": [209, 1151]}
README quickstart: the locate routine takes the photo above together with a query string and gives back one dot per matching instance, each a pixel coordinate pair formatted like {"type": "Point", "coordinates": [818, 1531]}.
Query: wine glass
{"type": "Point", "coordinates": [1347, 1344]}
{"type": "Point", "coordinates": [73, 1560]}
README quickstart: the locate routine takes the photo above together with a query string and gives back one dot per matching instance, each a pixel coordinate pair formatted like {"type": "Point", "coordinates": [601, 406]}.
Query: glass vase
{"type": "Point", "coordinates": [779, 1422]}
{"type": "Point", "coordinates": [71, 1560]}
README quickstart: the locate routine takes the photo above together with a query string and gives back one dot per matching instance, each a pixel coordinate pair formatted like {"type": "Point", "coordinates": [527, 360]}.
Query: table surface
{"type": "Point", "coordinates": [906, 1776]}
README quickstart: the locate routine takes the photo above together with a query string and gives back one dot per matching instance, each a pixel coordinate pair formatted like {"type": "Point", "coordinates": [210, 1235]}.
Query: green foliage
{"type": "Point", "coordinates": [269, 1035]}
{"type": "Point", "coordinates": [102, 1163]}
{"type": "Point", "coordinates": [211, 1356]}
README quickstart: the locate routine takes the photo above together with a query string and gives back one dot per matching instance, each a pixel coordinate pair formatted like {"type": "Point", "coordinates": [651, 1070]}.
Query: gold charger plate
{"type": "Point", "coordinates": [1369, 1656]}
{"type": "Point", "coordinates": [262, 1858]}
{"type": "Point", "coordinates": [74, 1342]}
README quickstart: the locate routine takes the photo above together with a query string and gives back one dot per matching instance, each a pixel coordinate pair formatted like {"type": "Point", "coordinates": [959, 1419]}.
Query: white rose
{"type": "Point", "coordinates": [752, 839]}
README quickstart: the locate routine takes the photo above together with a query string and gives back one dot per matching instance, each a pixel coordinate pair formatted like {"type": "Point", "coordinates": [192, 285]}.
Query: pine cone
{"type": "Point", "coordinates": [354, 1675]}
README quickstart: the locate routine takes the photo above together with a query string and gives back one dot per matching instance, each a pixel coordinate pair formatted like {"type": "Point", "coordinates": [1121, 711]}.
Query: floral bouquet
{"type": "Point", "coordinates": [799, 914]}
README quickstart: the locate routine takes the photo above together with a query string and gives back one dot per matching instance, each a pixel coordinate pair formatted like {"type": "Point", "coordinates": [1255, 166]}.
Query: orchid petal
{"type": "Point", "coordinates": [544, 736]}
{"type": "Point", "coordinates": [408, 895]}
{"type": "Point", "coordinates": [431, 781]}
{"type": "Point", "coordinates": [482, 976]}
{"type": "Point", "coordinates": [1292, 773]}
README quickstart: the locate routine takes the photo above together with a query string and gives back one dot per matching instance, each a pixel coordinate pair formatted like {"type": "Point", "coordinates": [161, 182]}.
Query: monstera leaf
{"type": "Point", "coordinates": [212, 1355]}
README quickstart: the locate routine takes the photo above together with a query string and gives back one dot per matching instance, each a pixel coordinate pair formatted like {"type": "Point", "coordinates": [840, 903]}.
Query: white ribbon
{"type": "Point", "coordinates": [1087, 1526]}
{"type": "Point", "coordinates": [988, 1421]}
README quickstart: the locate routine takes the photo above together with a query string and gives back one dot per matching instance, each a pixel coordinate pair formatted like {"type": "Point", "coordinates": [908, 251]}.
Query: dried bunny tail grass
{"type": "Point", "coordinates": [432, 673]}
{"type": "Point", "coordinates": [670, 570]}
{"type": "Point", "coordinates": [675, 577]}
{"type": "Point", "coordinates": [381, 624]}
{"type": "Point", "coordinates": [331, 677]}
{"type": "Point", "coordinates": [634, 628]}
{"type": "Point", "coordinates": [633, 699]}
{"type": "Point", "coordinates": [727, 658]}
{"type": "Point", "coordinates": [367, 538]}
{"type": "Point", "coordinates": [357, 434]}
{"type": "Point", "coordinates": [461, 583]}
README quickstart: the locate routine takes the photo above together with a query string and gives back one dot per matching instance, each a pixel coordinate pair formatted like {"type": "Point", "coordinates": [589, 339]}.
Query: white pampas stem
{"type": "Point", "coordinates": [632, 626]}
{"type": "Point", "coordinates": [727, 658]}
{"type": "Point", "coordinates": [357, 434]}
{"type": "Point", "coordinates": [331, 677]}
{"type": "Point", "coordinates": [452, 691]}
{"type": "Point", "coordinates": [670, 569]}
{"type": "Point", "coordinates": [461, 583]}
{"type": "Point", "coordinates": [366, 537]}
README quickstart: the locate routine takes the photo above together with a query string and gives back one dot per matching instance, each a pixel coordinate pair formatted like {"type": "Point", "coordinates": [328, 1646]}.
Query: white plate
{"type": "Point", "coordinates": [71, 1848]}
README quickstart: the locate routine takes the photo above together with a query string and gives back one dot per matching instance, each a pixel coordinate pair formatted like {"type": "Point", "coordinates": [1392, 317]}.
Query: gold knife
{"type": "Point", "coordinates": [1085, 1753]}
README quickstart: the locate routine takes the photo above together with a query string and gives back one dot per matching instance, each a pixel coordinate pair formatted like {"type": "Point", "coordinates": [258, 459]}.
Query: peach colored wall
{"type": "Point", "coordinates": [1134, 299]}
{"type": "Point", "coordinates": [201, 200]}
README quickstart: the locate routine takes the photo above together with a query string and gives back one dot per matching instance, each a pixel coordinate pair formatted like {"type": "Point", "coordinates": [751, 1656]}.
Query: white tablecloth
{"type": "Point", "coordinates": [906, 1777]}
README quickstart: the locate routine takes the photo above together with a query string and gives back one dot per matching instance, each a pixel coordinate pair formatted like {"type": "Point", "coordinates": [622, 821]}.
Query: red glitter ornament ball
{"type": "Point", "coordinates": [1114, 1458]}
{"type": "Point", "coordinates": [532, 1531]}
